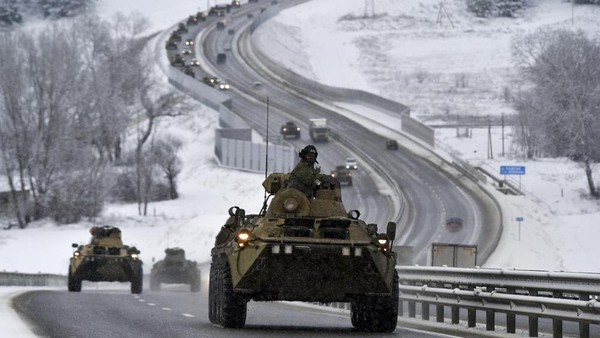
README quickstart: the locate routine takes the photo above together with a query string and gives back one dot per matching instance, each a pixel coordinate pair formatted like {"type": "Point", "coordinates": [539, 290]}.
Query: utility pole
{"type": "Point", "coordinates": [441, 14]}
{"type": "Point", "coordinates": [502, 134]}
{"type": "Point", "coordinates": [490, 151]}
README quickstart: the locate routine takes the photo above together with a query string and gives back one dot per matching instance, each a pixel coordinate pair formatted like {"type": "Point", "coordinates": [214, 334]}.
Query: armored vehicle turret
{"type": "Point", "coordinates": [175, 269]}
{"type": "Point", "coordinates": [304, 249]}
{"type": "Point", "coordinates": [105, 259]}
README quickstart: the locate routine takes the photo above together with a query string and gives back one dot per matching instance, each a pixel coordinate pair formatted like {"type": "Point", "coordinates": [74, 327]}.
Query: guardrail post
{"type": "Point", "coordinates": [511, 318]}
{"type": "Point", "coordinates": [584, 328]}
{"type": "Point", "coordinates": [471, 318]}
{"type": "Point", "coordinates": [490, 315]}
{"type": "Point", "coordinates": [401, 307]}
{"type": "Point", "coordinates": [454, 310]}
{"type": "Point", "coordinates": [412, 309]}
{"type": "Point", "coordinates": [471, 313]}
{"type": "Point", "coordinates": [533, 320]}
{"type": "Point", "coordinates": [439, 309]}
{"type": "Point", "coordinates": [557, 327]}
{"type": "Point", "coordinates": [425, 311]}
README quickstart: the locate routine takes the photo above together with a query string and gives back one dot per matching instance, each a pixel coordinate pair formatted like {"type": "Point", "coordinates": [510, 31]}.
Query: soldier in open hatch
{"type": "Point", "coordinates": [304, 176]}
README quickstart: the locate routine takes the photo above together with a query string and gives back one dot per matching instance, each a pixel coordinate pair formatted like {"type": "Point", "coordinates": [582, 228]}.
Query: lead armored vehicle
{"type": "Point", "coordinates": [175, 269]}
{"type": "Point", "coordinates": [301, 249]}
{"type": "Point", "coordinates": [105, 259]}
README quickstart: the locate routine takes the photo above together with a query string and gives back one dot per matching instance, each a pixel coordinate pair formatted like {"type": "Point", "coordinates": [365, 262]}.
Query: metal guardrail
{"type": "Point", "coordinates": [31, 279]}
{"type": "Point", "coordinates": [559, 296]}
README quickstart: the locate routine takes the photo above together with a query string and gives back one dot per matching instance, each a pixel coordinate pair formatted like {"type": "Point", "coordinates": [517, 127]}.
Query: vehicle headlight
{"type": "Point", "coordinates": [290, 204]}
{"type": "Point", "coordinates": [135, 257]}
{"type": "Point", "coordinates": [76, 254]}
{"type": "Point", "coordinates": [243, 237]}
{"type": "Point", "coordinates": [384, 242]}
{"type": "Point", "coordinates": [382, 239]}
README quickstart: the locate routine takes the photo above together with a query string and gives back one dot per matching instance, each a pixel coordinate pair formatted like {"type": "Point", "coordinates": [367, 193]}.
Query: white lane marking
{"type": "Point", "coordinates": [188, 315]}
{"type": "Point", "coordinates": [166, 309]}
{"type": "Point", "coordinates": [151, 304]}
{"type": "Point", "coordinates": [142, 300]}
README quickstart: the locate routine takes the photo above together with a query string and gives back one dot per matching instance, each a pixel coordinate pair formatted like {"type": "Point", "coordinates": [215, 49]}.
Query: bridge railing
{"type": "Point", "coordinates": [559, 296]}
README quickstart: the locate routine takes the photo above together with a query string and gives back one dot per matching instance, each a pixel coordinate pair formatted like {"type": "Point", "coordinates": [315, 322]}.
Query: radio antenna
{"type": "Point", "coordinates": [264, 207]}
{"type": "Point", "coordinates": [267, 141]}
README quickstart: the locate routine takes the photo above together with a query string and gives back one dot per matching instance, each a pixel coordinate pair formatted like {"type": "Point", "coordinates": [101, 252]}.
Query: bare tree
{"type": "Point", "coordinates": [165, 153]}
{"type": "Point", "coordinates": [165, 105]}
{"type": "Point", "coordinates": [563, 68]}
{"type": "Point", "coordinates": [15, 140]}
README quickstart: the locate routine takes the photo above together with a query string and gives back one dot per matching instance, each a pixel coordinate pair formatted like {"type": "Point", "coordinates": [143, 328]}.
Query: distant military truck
{"type": "Point", "coordinates": [175, 269]}
{"type": "Point", "coordinates": [187, 70]}
{"type": "Point", "coordinates": [105, 259]}
{"type": "Point", "coordinates": [178, 60]}
{"type": "Point", "coordinates": [343, 175]}
{"type": "Point", "coordinates": [175, 36]}
{"type": "Point", "coordinates": [220, 25]}
{"type": "Point", "coordinates": [182, 29]}
{"type": "Point", "coordinates": [221, 57]}
{"type": "Point", "coordinates": [210, 80]}
{"type": "Point", "coordinates": [171, 45]}
{"type": "Point", "coordinates": [201, 16]}
{"type": "Point", "coordinates": [290, 129]}
{"type": "Point", "coordinates": [192, 20]}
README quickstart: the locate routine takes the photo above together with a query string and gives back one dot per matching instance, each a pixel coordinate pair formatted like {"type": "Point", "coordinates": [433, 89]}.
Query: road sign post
{"type": "Point", "coordinates": [520, 219]}
{"type": "Point", "coordinates": [512, 170]}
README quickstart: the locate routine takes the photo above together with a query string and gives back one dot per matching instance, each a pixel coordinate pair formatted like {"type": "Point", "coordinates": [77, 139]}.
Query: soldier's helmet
{"type": "Point", "coordinates": [308, 149]}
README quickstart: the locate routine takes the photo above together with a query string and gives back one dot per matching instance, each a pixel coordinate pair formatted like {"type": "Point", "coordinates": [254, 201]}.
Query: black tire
{"type": "Point", "coordinates": [213, 305]}
{"type": "Point", "coordinates": [137, 282]}
{"type": "Point", "coordinates": [376, 313]}
{"type": "Point", "coordinates": [195, 284]}
{"type": "Point", "coordinates": [232, 307]}
{"type": "Point", "coordinates": [74, 283]}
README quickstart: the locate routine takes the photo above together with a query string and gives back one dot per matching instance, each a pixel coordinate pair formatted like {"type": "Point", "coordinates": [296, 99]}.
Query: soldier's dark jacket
{"type": "Point", "coordinates": [303, 178]}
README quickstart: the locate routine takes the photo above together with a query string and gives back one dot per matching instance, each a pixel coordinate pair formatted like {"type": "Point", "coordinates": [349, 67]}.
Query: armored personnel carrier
{"type": "Point", "coordinates": [175, 269]}
{"type": "Point", "coordinates": [301, 249]}
{"type": "Point", "coordinates": [105, 259]}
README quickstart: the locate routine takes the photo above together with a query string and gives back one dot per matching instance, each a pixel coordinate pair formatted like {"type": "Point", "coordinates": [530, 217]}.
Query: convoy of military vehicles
{"type": "Point", "coordinates": [297, 248]}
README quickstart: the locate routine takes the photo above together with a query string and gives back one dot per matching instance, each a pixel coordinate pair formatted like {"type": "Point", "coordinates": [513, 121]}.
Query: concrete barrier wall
{"type": "Point", "coordinates": [233, 144]}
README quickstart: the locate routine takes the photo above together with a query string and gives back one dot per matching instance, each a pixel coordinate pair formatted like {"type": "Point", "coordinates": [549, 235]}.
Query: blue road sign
{"type": "Point", "coordinates": [512, 170]}
{"type": "Point", "coordinates": [520, 219]}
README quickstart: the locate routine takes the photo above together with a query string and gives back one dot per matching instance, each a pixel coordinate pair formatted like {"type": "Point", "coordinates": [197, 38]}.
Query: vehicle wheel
{"type": "Point", "coordinates": [376, 313]}
{"type": "Point", "coordinates": [137, 282]}
{"type": "Point", "coordinates": [232, 307]}
{"type": "Point", "coordinates": [154, 284]}
{"type": "Point", "coordinates": [213, 303]}
{"type": "Point", "coordinates": [74, 283]}
{"type": "Point", "coordinates": [195, 284]}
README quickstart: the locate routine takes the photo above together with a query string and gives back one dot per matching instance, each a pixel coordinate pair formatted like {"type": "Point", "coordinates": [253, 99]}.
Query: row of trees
{"type": "Point", "coordinates": [559, 108]}
{"type": "Point", "coordinates": [73, 99]}
{"type": "Point", "coordinates": [13, 11]}
{"type": "Point", "coordinates": [485, 8]}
